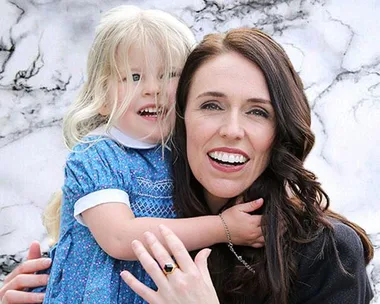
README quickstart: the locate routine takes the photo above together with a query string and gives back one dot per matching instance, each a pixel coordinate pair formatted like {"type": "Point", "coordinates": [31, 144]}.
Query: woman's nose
{"type": "Point", "coordinates": [231, 127]}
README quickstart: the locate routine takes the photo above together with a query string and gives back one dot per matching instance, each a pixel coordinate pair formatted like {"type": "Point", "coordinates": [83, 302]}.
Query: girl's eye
{"type": "Point", "coordinates": [136, 77]}
{"type": "Point", "coordinates": [258, 112]}
{"type": "Point", "coordinates": [211, 106]}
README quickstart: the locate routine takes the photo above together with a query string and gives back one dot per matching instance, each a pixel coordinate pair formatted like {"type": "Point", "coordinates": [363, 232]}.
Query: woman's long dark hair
{"type": "Point", "coordinates": [295, 208]}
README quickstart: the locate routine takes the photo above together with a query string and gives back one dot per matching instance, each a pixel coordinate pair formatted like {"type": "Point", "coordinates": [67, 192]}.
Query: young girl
{"type": "Point", "coordinates": [118, 177]}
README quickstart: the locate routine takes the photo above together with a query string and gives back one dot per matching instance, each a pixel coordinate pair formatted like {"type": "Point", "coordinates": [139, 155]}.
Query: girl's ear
{"type": "Point", "coordinates": [105, 110]}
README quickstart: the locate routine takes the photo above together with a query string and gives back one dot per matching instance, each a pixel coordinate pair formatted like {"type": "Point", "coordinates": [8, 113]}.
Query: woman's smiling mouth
{"type": "Point", "coordinates": [227, 159]}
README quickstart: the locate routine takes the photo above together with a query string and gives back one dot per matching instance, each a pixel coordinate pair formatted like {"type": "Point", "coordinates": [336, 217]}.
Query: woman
{"type": "Point", "coordinates": [239, 95]}
{"type": "Point", "coordinates": [243, 128]}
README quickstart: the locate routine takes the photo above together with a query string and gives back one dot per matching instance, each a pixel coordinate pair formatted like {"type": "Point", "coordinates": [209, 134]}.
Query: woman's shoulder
{"type": "Point", "coordinates": [340, 243]}
{"type": "Point", "coordinates": [332, 267]}
{"type": "Point", "coordinates": [347, 239]}
{"type": "Point", "coordinates": [341, 236]}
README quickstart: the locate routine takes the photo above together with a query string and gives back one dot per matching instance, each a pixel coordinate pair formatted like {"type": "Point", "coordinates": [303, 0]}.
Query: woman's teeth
{"type": "Point", "coordinates": [228, 157]}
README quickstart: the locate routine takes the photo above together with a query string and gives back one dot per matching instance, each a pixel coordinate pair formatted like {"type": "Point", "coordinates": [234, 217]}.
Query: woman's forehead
{"type": "Point", "coordinates": [230, 74]}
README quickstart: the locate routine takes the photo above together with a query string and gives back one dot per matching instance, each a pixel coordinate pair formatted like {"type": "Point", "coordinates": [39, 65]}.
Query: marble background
{"type": "Point", "coordinates": [334, 44]}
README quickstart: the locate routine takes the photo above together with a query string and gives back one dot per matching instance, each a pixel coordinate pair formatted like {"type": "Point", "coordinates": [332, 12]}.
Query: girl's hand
{"type": "Point", "coordinates": [189, 283]}
{"type": "Point", "coordinates": [244, 228]}
{"type": "Point", "coordinates": [23, 277]}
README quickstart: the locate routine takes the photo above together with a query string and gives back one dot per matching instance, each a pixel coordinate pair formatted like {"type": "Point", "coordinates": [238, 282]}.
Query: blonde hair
{"type": "Point", "coordinates": [122, 26]}
{"type": "Point", "coordinates": [51, 217]}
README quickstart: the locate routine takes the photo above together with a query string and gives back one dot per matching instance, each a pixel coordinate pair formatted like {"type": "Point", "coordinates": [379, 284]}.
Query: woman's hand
{"type": "Point", "coordinates": [244, 229]}
{"type": "Point", "coordinates": [189, 283]}
{"type": "Point", "coordinates": [24, 277]}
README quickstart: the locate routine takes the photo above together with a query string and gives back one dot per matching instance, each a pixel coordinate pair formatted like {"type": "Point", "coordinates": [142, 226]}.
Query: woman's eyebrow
{"type": "Point", "coordinates": [211, 94]}
{"type": "Point", "coordinates": [259, 100]}
{"type": "Point", "coordinates": [220, 94]}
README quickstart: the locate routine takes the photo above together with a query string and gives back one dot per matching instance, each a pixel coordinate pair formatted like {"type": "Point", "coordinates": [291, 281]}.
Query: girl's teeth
{"type": "Point", "coordinates": [149, 111]}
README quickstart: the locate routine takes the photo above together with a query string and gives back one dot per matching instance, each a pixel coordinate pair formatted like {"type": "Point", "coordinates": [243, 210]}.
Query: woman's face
{"type": "Point", "coordinates": [230, 126]}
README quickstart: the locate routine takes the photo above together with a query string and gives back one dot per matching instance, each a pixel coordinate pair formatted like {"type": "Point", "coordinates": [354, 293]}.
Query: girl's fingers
{"type": "Point", "coordinates": [251, 206]}
{"type": "Point", "coordinates": [259, 242]}
{"type": "Point", "coordinates": [20, 297]}
{"type": "Point", "coordinates": [28, 267]}
{"type": "Point", "coordinates": [141, 289]}
{"type": "Point", "coordinates": [177, 248]}
{"type": "Point", "coordinates": [150, 265]}
{"type": "Point", "coordinates": [258, 245]}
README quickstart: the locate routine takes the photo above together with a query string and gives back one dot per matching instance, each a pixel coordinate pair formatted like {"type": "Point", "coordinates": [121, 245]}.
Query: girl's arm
{"type": "Point", "coordinates": [114, 227]}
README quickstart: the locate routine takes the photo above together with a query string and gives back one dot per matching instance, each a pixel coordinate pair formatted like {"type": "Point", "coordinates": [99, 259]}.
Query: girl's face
{"type": "Point", "coordinates": [147, 116]}
{"type": "Point", "coordinates": [230, 126]}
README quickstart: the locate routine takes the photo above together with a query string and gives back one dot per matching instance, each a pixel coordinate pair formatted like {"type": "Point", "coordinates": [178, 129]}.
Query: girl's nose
{"type": "Point", "coordinates": [152, 86]}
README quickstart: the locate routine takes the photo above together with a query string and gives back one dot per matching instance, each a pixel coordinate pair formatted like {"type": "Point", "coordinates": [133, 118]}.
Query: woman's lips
{"type": "Point", "coordinates": [227, 159]}
{"type": "Point", "coordinates": [227, 168]}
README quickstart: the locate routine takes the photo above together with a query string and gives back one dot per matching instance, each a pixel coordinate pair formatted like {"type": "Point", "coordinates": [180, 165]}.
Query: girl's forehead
{"type": "Point", "coordinates": [137, 55]}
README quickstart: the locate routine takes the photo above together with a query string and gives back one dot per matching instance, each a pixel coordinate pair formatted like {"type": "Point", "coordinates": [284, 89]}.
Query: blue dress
{"type": "Point", "coordinates": [82, 272]}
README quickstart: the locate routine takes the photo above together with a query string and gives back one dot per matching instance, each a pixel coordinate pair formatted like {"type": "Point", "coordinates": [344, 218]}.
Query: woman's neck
{"type": "Point", "coordinates": [214, 203]}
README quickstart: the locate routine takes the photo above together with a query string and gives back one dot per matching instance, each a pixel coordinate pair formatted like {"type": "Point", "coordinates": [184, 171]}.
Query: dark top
{"type": "Point", "coordinates": [325, 275]}
{"type": "Point", "coordinates": [322, 280]}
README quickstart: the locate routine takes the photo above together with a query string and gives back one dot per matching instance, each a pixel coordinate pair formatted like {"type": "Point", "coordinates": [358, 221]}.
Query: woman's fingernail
{"type": "Point", "coordinates": [125, 275]}
{"type": "Point", "coordinates": [40, 298]}
{"type": "Point", "coordinates": [46, 280]}
{"type": "Point", "coordinates": [46, 262]}
{"type": "Point", "coordinates": [149, 237]}
{"type": "Point", "coordinates": [163, 229]}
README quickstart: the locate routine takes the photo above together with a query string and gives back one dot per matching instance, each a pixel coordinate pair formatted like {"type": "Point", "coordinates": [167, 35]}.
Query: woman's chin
{"type": "Point", "coordinates": [218, 197]}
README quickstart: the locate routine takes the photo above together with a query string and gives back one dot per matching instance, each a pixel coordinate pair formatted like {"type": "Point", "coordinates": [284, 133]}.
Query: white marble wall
{"type": "Point", "coordinates": [334, 44]}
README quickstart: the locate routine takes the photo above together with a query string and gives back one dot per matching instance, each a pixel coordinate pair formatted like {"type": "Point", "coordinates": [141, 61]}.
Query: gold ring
{"type": "Point", "coordinates": [169, 268]}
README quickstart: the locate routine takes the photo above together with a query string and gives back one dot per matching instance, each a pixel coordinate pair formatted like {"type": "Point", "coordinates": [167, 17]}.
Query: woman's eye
{"type": "Point", "coordinates": [258, 112]}
{"type": "Point", "coordinates": [136, 77]}
{"type": "Point", "coordinates": [171, 75]}
{"type": "Point", "coordinates": [210, 106]}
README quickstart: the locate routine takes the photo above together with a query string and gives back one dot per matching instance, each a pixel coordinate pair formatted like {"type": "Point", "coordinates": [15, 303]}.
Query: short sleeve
{"type": "Point", "coordinates": [95, 174]}
{"type": "Point", "coordinates": [322, 279]}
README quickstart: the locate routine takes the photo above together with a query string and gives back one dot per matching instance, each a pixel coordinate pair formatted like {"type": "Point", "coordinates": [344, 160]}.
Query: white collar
{"type": "Point", "coordinates": [121, 138]}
